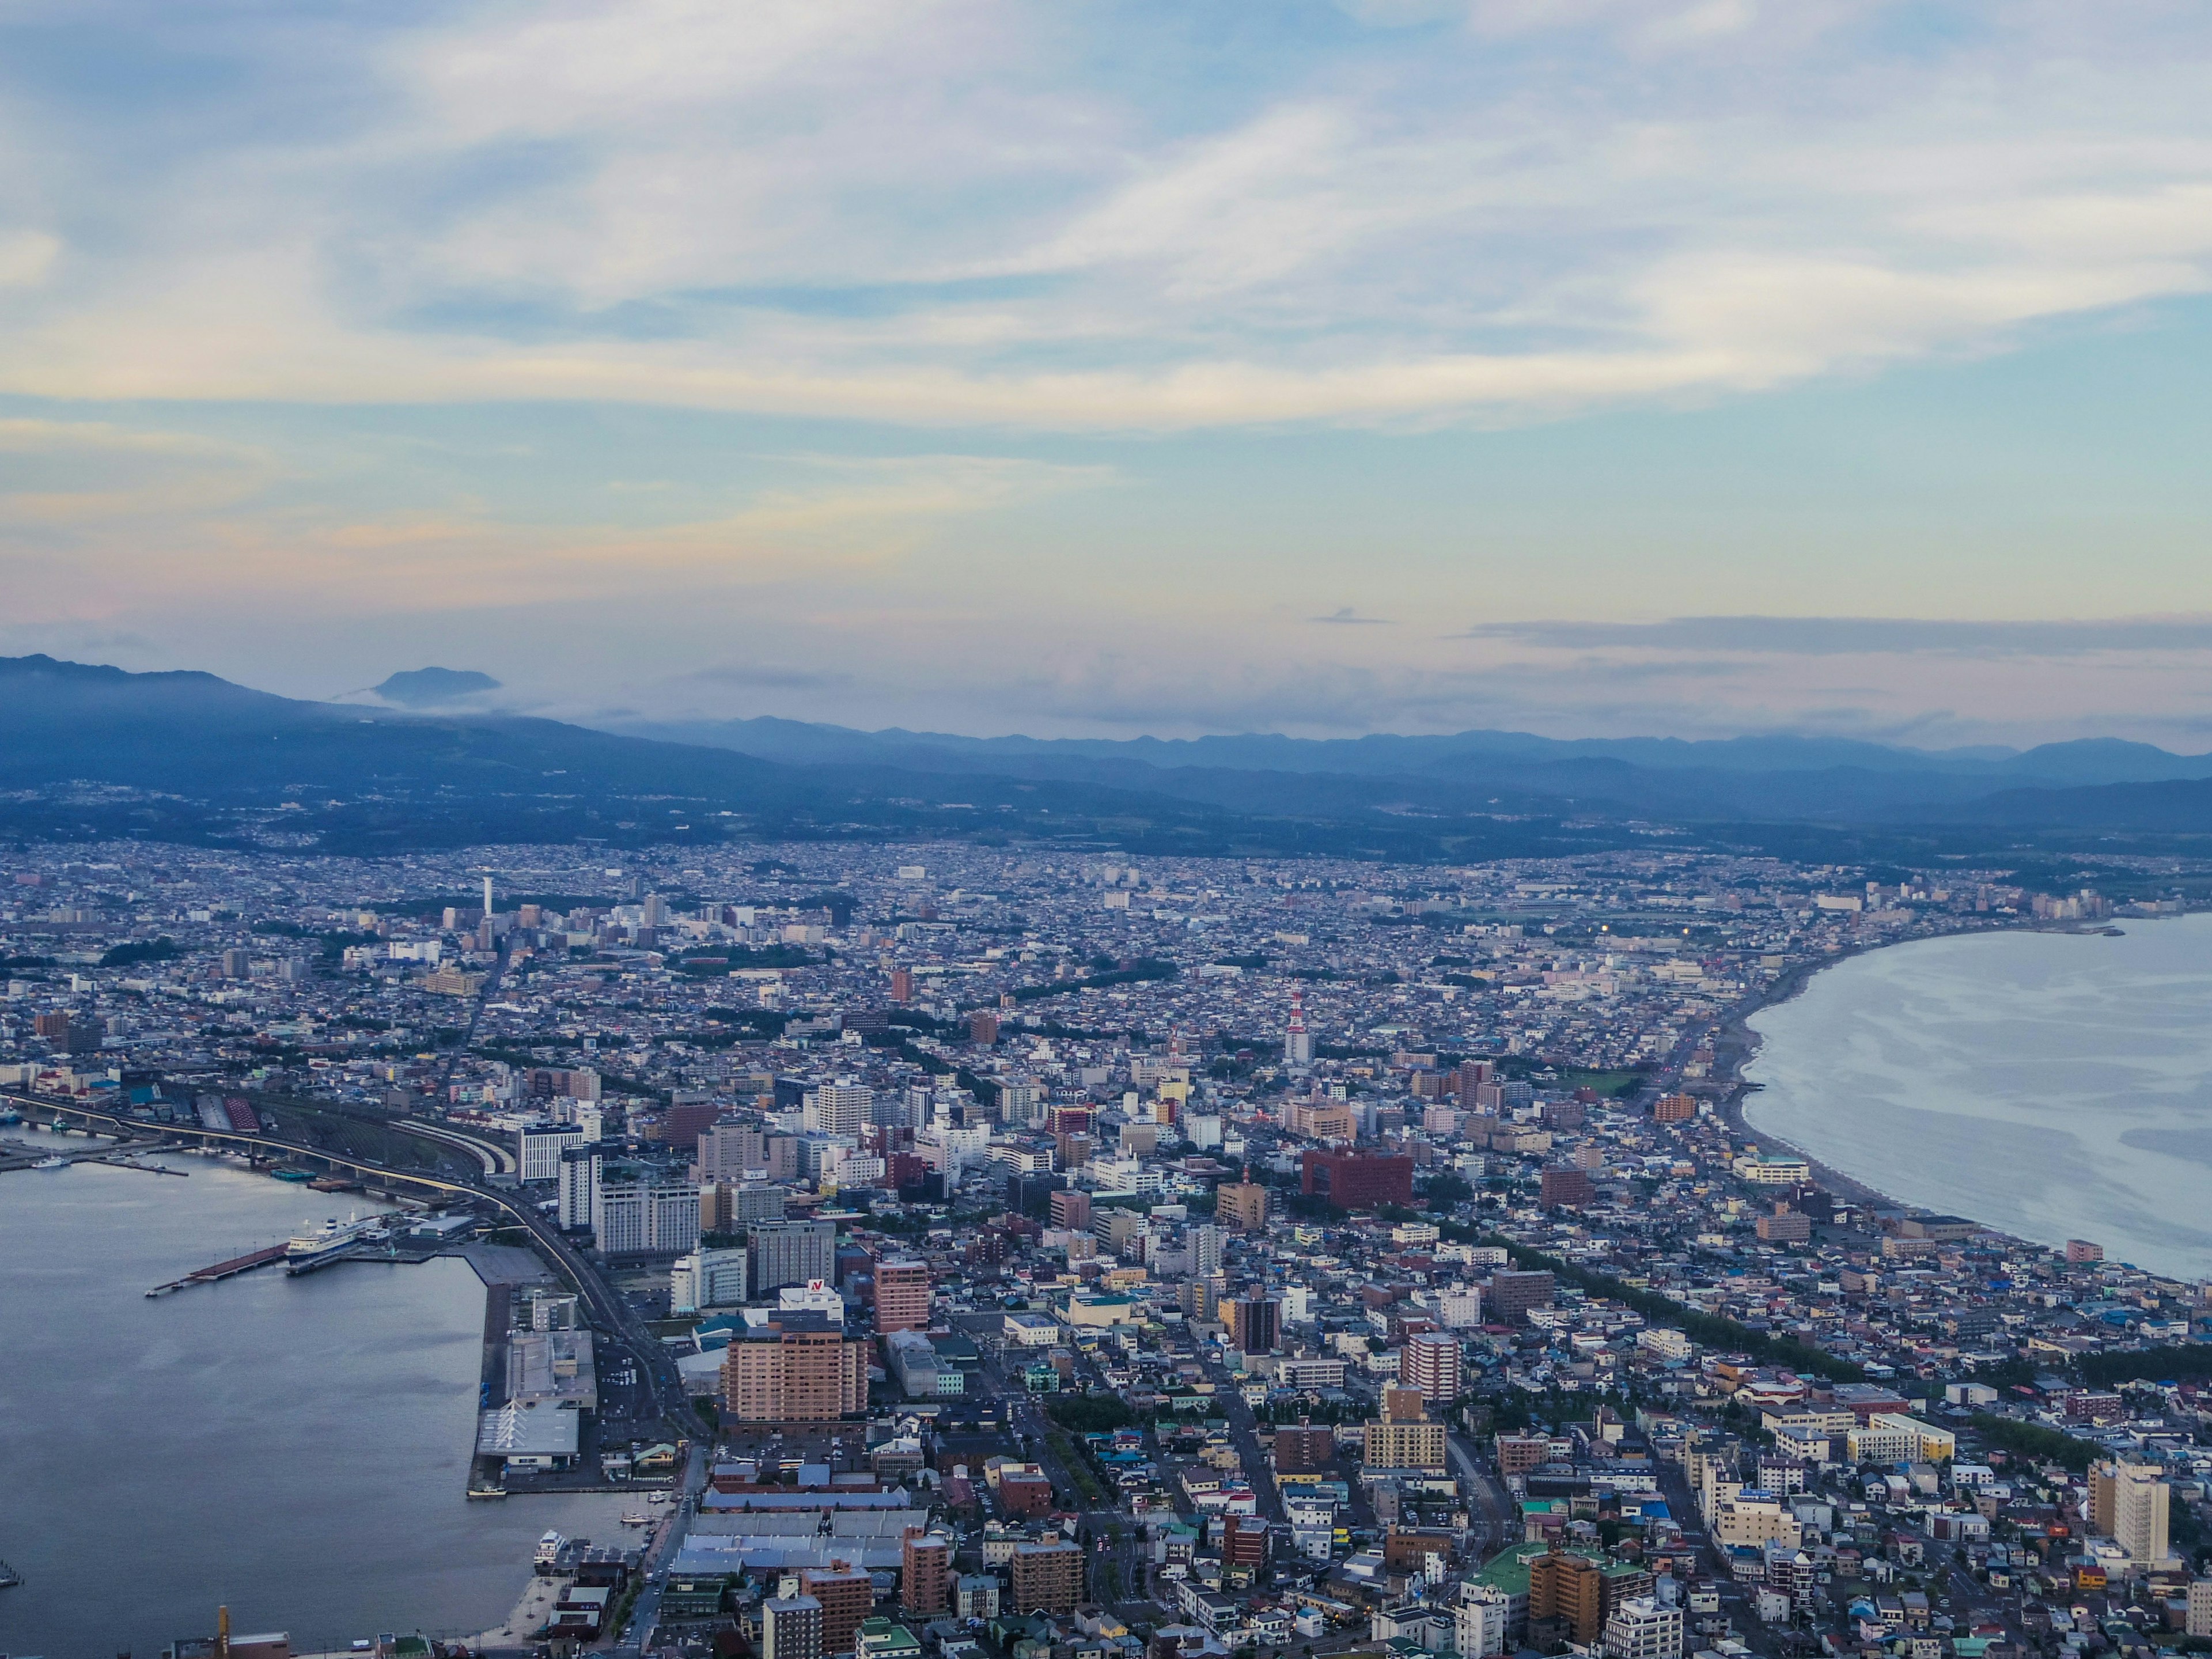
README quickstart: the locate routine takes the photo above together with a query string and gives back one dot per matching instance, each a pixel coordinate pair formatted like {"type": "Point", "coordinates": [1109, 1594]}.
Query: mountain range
{"type": "Point", "coordinates": [198, 750]}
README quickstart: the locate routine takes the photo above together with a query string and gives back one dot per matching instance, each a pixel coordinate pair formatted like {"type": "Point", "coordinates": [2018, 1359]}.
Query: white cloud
{"type": "Point", "coordinates": [955, 212]}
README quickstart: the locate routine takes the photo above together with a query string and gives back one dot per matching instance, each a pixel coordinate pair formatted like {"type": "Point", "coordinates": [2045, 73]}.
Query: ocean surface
{"type": "Point", "coordinates": [2052, 1085]}
{"type": "Point", "coordinates": [295, 1448]}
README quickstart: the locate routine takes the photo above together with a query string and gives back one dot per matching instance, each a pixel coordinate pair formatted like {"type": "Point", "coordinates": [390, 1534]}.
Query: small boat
{"type": "Point", "coordinates": [51, 1164]}
{"type": "Point", "coordinates": [8, 1577]}
{"type": "Point", "coordinates": [636, 1521]}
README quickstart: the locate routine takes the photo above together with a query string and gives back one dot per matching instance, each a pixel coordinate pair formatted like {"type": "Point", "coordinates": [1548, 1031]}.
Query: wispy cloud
{"type": "Point", "coordinates": [949, 211]}
{"type": "Point", "coordinates": [1839, 637]}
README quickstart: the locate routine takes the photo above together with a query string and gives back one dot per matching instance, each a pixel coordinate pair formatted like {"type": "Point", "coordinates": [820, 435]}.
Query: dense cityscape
{"type": "Point", "coordinates": [1034, 1255]}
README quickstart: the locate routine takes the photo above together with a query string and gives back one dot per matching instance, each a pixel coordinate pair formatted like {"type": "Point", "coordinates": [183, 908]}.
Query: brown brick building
{"type": "Point", "coordinates": [847, 1596]}
{"type": "Point", "coordinates": [798, 1367]}
{"type": "Point", "coordinates": [925, 1571]}
{"type": "Point", "coordinates": [1356, 1181]}
{"type": "Point", "coordinates": [1048, 1578]}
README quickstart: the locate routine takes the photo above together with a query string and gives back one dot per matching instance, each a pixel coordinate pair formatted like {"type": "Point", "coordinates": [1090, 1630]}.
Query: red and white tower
{"type": "Point", "coordinates": [1297, 1041]}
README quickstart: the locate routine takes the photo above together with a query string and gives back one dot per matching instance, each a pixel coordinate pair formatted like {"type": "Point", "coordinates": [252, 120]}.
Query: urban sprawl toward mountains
{"type": "Point", "coordinates": [1065, 1255]}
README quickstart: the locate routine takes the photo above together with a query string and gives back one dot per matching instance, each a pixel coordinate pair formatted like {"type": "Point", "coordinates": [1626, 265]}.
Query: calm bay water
{"type": "Point", "coordinates": [296, 1448]}
{"type": "Point", "coordinates": [2052, 1085]}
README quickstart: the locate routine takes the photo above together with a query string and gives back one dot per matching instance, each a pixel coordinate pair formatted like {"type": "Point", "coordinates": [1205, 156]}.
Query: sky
{"type": "Point", "coordinates": [1583, 367]}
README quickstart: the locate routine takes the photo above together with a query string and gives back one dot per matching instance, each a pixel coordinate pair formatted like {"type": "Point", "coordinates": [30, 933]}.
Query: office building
{"type": "Point", "coordinates": [1047, 1578]}
{"type": "Point", "coordinates": [540, 1146]}
{"type": "Point", "coordinates": [728, 1153]}
{"type": "Point", "coordinates": [642, 1211]}
{"type": "Point", "coordinates": [902, 1296]}
{"type": "Point", "coordinates": [1356, 1181]}
{"type": "Point", "coordinates": [707, 1279]}
{"type": "Point", "coordinates": [791, 1628]}
{"type": "Point", "coordinates": [1240, 1204]}
{"type": "Point", "coordinates": [791, 1253]}
{"type": "Point", "coordinates": [1071, 1210]}
{"type": "Point", "coordinates": [798, 1367]}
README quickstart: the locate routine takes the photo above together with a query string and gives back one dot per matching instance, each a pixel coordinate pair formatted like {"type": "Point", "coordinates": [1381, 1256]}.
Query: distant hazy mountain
{"type": "Point", "coordinates": [369, 778]}
{"type": "Point", "coordinates": [427, 688]}
{"type": "Point", "coordinates": [2092, 760]}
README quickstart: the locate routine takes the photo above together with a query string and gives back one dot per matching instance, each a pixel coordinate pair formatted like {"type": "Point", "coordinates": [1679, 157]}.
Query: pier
{"type": "Point", "coordinates": [221, 1270]}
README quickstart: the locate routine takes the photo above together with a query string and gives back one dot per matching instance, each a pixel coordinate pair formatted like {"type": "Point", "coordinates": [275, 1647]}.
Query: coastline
{"type": "Point", "coordinates": [1735, 1044]}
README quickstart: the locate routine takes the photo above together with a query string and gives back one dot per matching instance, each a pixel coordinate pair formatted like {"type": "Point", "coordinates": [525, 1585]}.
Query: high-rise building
{"type": "Point", "coordinates": [1047, 1578]}
{"type": "Point", "coordinates": [791, 1628]}
{"type": "Point", "coordinates": [2128, 1503]}
{"type": "Point", "coordinates": [1566, 1188]}
{"type": "Point", "coordinates": [1297, 1041]}
{"type": "Point", "coordinates": [1356, 1181]}
{"type": "Point", "coordinates": [730, 1152]}
{"type": "Point", "coordinates": [1244, 1543]}
{"type": "Point", "coordinates": [902, 985]}
{"type": "Point", "coordinates": [845, 1596]}
{"type": "Point", "coordinates": [644, 1212]}
{"type": "Point", "coordinates": [837, 1109]}
{"type": "Point", "coordinates": [1253, 1323]}
{"type": "Point", "coordinates": [1471, 1075]}
{"type": "Point", "coordinates": [579, 1170]}
{"type": "Point", "coordinates": [1568, 1590]}
{"type": "Point", "coordinates": [902, 1296]}
{"type": "Point", "coordinates": [1240, 1204]}
{"type": "Point", "coordinates": [1513, 1293]}
{"type": "Point", "coordinates": [1674, 1108]}
{"type": "Point", "coordinates": [540, 1146]}
{"type": "Point", "coordinates": [798, 1367]}
{"type": "Point", "coordinates": [791, 1253]}
{"type": "Point", "coordinates": [1430, 1362]}
{"type": "Point", "coordinates": [982, 1026]}
{"type": "Point", "coordinates": [1403, 1437]}
{"type": "Point", "coordinates": [1305, 1449]}
{"type": "Point", "coordinates": [924, 1570]}
{"type": "Point", "coordinates": [1071, 1210]}
{"type": "Point", "coordinates": [1206, 1251]}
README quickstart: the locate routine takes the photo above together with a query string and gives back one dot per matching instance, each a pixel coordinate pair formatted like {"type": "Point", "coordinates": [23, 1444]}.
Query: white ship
{"type": "Point", "coordinates": [307, 1250]}
{"type": "Point", "coordinates": [549, 1551]}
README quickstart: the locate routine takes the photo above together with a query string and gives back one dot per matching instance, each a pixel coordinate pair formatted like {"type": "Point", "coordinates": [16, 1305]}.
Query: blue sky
{"type": "Point", "coordinates": [1579, 365]}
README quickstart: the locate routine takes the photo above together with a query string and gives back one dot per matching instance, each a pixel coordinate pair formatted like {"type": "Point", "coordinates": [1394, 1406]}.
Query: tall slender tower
{"type": "Point", "coordinates": [487, 898]}
{"type": "Point", "coordinates": [1297, 1041]}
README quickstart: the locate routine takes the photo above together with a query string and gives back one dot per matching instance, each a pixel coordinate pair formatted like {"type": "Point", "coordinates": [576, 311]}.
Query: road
{"type": "Point", "coordinates": [1492, 1510]}
{"type": "Point", "coordinates": [668, 1539]}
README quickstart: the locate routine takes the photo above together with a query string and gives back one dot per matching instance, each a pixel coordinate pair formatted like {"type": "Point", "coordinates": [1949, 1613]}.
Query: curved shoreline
{"type": "Point", "coordinates": [1735, 1044]}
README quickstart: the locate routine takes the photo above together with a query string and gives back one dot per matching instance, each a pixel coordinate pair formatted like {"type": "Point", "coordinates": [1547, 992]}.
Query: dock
{"type": "Point", "coordinates": [221, 1270]}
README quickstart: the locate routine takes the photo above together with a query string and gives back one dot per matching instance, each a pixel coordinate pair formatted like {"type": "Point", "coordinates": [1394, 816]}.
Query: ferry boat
{"type": "Point", "coordinates": [51, 1164]}
{"type": "Point", "coordinates": [308, 1250]}
{"type": "Point", "coordinates": [549, 1551]}
{"type": "Point", "coordinates": [636, 1521]}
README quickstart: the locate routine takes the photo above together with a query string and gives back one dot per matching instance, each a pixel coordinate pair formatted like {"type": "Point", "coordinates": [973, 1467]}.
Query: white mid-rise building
{"type": "Point", "coordinates": [1643, 1627]}
{"type": "Point", "coordinates": [1480, 1621]}
{"type": "Point", "coordinates": [541, 1144]}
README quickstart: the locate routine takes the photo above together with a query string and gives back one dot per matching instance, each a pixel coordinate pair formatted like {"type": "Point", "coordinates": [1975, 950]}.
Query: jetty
{"type": "Point", "coordinates": [221, 1270]}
